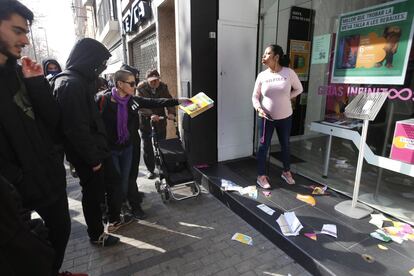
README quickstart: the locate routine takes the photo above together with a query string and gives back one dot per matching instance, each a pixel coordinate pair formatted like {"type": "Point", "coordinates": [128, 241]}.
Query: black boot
{"type": "Point", "coordinates": [138, 213]}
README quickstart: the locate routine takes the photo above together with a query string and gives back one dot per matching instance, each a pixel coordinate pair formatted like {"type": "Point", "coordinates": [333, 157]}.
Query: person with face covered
{"type": "Point", "coordinates": [30, 156]}
{"type": "Point", "coordinates": [51, 68]}
{"type": "Point", "coordinates": [85, 138]}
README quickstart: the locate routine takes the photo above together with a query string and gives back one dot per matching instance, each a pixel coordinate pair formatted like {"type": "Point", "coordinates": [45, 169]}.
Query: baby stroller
{"type": "Point", "coordinates": [174, 170]}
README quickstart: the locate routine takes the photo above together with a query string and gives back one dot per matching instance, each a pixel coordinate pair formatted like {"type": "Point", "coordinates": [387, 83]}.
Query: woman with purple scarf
{"type": "Point", "coordinates": [119, 109]}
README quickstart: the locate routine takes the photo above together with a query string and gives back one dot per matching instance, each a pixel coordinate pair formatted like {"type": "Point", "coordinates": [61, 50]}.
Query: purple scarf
{"type": "Point", "coordinates": [121, 116]}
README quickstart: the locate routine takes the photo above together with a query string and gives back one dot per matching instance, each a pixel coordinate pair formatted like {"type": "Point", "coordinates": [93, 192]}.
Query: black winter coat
{"type": "Point", "coordinates": [75, 88]}
{"type": "Point", "coordinates": [23, 245]}
{"type": "Point", "coordinates": [29, 157]}
{"type": "Point", "coordinates": [144, 90]}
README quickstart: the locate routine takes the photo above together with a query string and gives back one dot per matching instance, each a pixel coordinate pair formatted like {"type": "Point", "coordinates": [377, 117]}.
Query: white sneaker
{"type": "Point", "coordinates": [287, 176]}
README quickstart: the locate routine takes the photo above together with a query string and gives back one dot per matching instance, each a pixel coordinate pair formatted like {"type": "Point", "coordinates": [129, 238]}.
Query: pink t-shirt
{"type": "Point", "coordinates": [273, 91]}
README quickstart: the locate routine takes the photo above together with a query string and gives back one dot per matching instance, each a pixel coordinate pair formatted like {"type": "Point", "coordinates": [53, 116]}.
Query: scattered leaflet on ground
{"type": "Point", "coordinates": [307, 199]}
{"type": "Point", "coordinates": [378, 220]}
{"type": "Point", "coordinates": [266, 209]}
{"type": "Point", "coordinates": [329, 229]}
{"type": "Point", "coordinates": [311, 236]}
{"type": "Point", "coordinates": [289, 224]}
{"type": "Point", "coordinates": [242, 238]}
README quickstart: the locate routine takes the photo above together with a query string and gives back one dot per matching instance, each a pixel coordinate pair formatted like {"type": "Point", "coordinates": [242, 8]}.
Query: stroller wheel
{"type": "Point", "coordinates": [165, 196]}
{"type": "Point", "coordinates": [158, 186]}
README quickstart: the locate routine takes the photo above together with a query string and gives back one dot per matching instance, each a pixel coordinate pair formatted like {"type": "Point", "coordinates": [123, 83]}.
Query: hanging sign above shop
{"type": "Point", "coordinates": [140, 12]}
{"type": "Point", "coordinates": [373, 44]}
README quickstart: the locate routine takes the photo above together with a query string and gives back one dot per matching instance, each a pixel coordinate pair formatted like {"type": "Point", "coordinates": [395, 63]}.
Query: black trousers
{"type": "Point", "coordinates": [134, 197]}
{"type": "Point", "coordinates": [146, 137]}
{"type": "Point", "coordinates": [95, 185]}
{"type": "Point", "coordinates": [57, 220]}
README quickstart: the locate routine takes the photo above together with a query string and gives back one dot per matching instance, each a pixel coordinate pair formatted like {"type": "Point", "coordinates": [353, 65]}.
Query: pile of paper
{"type": "Point", "coordinates": [394, 230]}
{"type": "Point", "coordinates": [289, 224]}
{"type": "Point", "coordinates": [227, 185]}
{"type": "Point", "coordinates": [250, 191]}
{"type": "Point", "coordinates": [230, 186]}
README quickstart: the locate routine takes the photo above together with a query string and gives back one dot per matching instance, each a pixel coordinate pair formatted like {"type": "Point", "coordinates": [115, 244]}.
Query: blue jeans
{"type": "Point", "coordinates": [122, 160]}
{"type": "Point", "coordinates": [283, 127]}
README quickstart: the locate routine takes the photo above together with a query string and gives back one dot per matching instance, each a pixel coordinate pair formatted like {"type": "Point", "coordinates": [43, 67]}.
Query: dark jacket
{"type": "Point", "coordinates": [29, 157]}
{"type": "Point", "coordinates": [75, 88]}
{"type": "Point", "coordinates": [144, 90]}
{"type": "Point", "coordinates": [23, 245]}
{"type": "Point", "coordinates": [109, 110]}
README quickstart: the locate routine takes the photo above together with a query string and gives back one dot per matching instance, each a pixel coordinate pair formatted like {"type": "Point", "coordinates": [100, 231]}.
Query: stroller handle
{"type": "Point", "coordinates": [153, 130]}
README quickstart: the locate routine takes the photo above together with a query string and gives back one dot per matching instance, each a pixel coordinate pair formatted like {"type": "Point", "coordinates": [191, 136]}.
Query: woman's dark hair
{"type": "Point", "coordinates": [277, 50]}
{"type": "Point", "coordinates": [8, 7]}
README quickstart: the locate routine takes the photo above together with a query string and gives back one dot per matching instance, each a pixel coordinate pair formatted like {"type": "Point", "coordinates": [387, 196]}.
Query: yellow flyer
{"type": "Point", "coordinates": [199, 103]}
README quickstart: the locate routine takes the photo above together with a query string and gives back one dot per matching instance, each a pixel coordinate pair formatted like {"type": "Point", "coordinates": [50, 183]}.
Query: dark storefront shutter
{"type": "Point", "coordinates": [144, 54]}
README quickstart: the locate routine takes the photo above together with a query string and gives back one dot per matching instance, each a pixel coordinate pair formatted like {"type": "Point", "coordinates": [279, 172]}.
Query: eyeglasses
{"type": "Point", "coordinates": [131, 83]}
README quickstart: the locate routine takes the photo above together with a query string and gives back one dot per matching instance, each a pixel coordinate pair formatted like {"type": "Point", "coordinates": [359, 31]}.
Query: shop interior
{"type": "Point", "coordinates": [389, 191]}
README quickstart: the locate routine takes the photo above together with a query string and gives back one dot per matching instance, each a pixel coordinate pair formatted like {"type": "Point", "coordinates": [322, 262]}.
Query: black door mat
{"type": "Point", "coordinates": [293, 159]}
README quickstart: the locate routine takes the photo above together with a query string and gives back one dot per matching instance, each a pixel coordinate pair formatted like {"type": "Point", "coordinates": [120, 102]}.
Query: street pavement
{"type": "Point", "coordinates": [191, 237]}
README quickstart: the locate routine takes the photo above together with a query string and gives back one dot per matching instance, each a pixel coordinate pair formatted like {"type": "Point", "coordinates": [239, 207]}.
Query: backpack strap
{"type": "Point", "coordinates": [103, 100]}
{"type": "Point", "coordinates": [101, 103]}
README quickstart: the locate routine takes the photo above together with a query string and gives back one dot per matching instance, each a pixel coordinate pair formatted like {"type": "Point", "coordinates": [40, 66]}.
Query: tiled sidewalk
{"type": "Point", "coordinates": [191, 237]}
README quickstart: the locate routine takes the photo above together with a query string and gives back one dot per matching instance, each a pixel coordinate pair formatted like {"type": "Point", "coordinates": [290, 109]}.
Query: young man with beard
{"type": "Point", "coordinates": [85, 138]}
{"type": "Point", "coordinates": [30, 158]}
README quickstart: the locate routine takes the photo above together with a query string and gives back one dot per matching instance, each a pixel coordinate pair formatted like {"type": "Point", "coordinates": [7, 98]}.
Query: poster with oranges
{"type": "Point", "coordinates": [373, 44]}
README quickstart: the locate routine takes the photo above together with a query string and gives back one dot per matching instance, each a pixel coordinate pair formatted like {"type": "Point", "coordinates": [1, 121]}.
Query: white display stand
{"type": "Point", "coordinates": [364, 106]}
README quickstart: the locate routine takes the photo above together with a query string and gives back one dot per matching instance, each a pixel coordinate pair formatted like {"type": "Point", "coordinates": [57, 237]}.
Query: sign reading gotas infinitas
{"type": "Point", "coordinates": [373, 44]}
{"type": "Point", "coordinates": [139, 12]}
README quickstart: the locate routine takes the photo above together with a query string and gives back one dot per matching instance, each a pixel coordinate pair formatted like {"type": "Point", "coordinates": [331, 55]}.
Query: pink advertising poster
{"type": "Point", "coordinates": [403, 141]}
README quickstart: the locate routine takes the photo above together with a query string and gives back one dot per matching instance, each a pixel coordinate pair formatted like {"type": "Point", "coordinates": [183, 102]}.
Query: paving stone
{"type": "Point", "coordinates": [191, 237]}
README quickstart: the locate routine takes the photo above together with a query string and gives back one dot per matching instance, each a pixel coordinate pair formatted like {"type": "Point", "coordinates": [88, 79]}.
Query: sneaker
{"type": "Point", "coordinates": [151, 175]}
{"type": "Point", "coordinates": [125, 220]}
{"type": "Point", "coordinates": [67, 273]}
{"type": "Point", "coordinates": [263, 181]}
{"type": "Point", "coordinates": [287, 176]}
{"type": "Point", "coordinates": [105, 240]}
{"type": "Point", "coordinates": [138, 213]}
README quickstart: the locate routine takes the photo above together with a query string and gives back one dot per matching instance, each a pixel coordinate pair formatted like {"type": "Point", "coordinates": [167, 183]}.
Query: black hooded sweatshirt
{"type": "Point", "coordinates": [29, 157]}
{"type": "Point", "coordinates": [46, 62]}
{"type": "Point", "coordinates": [75, 88]}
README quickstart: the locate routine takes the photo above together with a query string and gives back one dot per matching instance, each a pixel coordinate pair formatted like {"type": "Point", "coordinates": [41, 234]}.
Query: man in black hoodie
{"type": "Point", "coordinates": [30, 159]}
{"type": "Point", "coordinates": [51, 68]}
{"type": "Point", "coordinates": [85, 139]}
